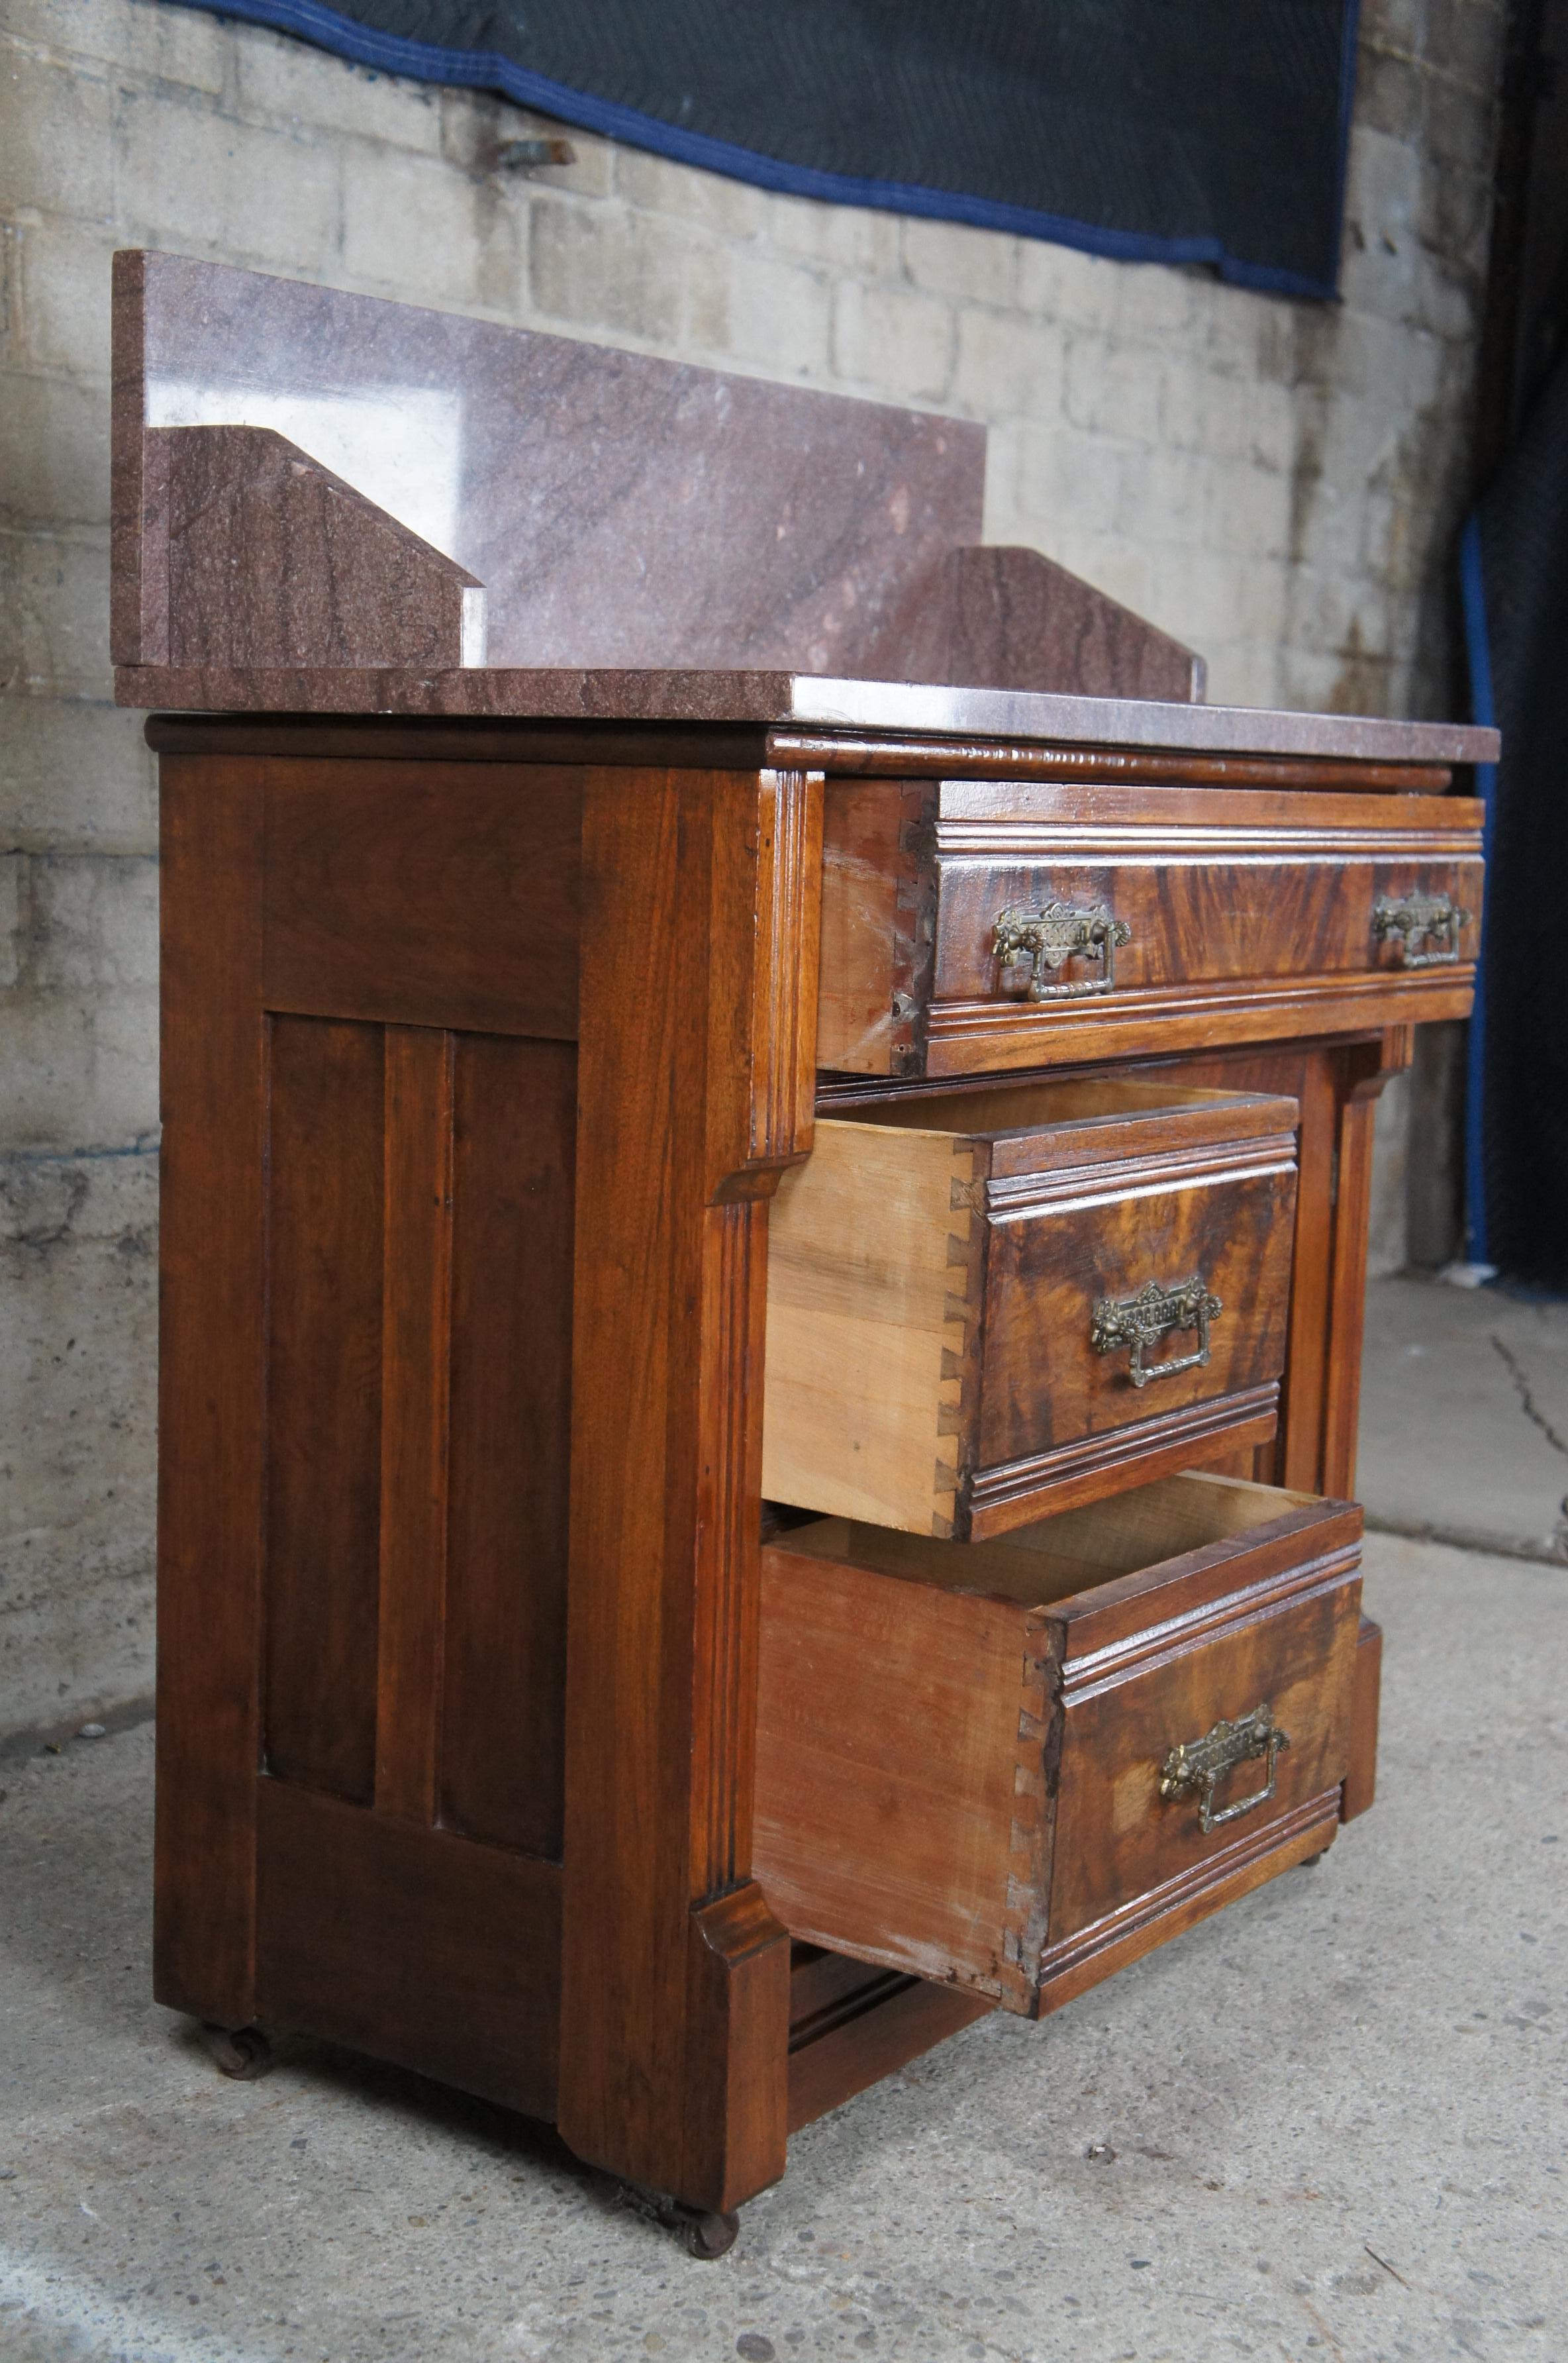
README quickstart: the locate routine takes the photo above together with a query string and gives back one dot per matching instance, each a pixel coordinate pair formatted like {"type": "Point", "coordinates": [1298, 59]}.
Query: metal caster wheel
{"type": "Point", "coordinates": [708, 2237]}
{"type": "Point", "coordinates": [242, 2052]}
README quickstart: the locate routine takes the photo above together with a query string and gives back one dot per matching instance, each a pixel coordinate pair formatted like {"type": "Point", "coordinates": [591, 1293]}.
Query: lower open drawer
{"type": "Point", "coordinates": [1015, 1765]}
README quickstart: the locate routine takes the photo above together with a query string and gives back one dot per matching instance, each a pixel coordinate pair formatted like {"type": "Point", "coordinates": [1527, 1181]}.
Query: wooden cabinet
{"type": "Point", "coordinates": [981, 1304]}
{"type": "Point", "coordinates": [1013, 1766]}
{"type": "Point", "coordinates": [518, 1251]}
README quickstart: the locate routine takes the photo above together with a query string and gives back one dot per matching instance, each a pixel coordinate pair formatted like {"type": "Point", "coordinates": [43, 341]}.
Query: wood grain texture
{"type": "Point", "coordinates": [845, 755]}
{"type": "Point", "coordinates": [412, 1945]}
{"type": "Point", "coordinates": [689, 1088]}
{"type": "Point", "coordinates": [934, 1275]}
{"type": "Point", "coordinates": [503, 1693]}
{"type": "Point", "coordinates": [327, 1188]}
{"type": "Point", "coordinates": [959, 1747]}
{"type": "Point", "coordinates": [1360, 1772]}
{"type": "Point", "coordinates": [211, 1390]}
{"type": "Point", "coordinates": [1322, 1355]}
{"type": "Point", "coordinates": [1366, 1070]}
{"type": "Point", "coordinates": [856, 2025]}
{"type": "Point", "coordinates": [1251, 915]}
{"type": "Point", "coordinates": [446, 896]}
{"type": "Point", "coordinates": [417, 1343]}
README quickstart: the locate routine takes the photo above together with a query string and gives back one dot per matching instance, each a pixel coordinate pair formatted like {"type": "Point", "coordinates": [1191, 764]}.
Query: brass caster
{"type": "Point", "coordinates": [242, 2052]}
{"type": "Point", "coordinates": [707, 2237]}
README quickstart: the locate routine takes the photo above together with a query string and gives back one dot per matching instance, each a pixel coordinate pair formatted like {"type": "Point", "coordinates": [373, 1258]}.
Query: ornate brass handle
{"type": "Point", "coordinates": [1049, 938]}
{"type": "Point", "coordinates": [1197, 1767]}
{"type": "Point", "coordinates": [1410, 919]}
{"type": "Point", "coordinates": [1136, 1321]}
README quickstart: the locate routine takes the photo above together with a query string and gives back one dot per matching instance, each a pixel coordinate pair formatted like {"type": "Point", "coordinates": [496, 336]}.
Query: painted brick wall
{"type": "Point", "coordinates": [1275, 483]}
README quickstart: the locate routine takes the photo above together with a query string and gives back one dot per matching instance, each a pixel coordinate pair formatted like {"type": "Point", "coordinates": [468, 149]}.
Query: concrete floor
{"type": "Point", "coordinates": [1464, 1417]}
{"type": "Point", "coordinates": [1328, 2124]}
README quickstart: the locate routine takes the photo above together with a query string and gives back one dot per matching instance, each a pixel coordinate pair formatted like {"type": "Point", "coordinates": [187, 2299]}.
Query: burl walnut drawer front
{"type": "Point", "coordinates": [984, 1303]}
{"type": "Point", "coordinates": [967, 927]}
{"type": "Point", "coordinates": [1014, 1765]}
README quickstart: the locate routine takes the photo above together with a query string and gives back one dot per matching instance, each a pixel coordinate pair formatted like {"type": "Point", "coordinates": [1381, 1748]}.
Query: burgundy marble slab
{"type": "Point", "coordinates": [898, 708]}
{"type": "Point", "coordinates": [272, 560]}
{"type": "Point", "coordinates": [621, 511]}
{"type": "Point", "coordinates": [1010, 618]}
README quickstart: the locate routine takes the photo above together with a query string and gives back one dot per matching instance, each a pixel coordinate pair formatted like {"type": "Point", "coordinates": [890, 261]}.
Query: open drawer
{"type": "Point", "coordinates": [982, 1304]}
{"type": "Point", "coordinates": [1014, 1765]}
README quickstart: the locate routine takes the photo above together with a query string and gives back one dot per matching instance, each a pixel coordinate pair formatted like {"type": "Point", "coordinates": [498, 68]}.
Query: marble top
{"type": "Point", "coordinates": [810, 702]}
{"type": "Point", "coordinates": [332, 503]}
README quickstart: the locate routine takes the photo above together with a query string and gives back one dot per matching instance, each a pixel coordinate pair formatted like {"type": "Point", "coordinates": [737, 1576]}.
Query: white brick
{"type": "Point", "coordinates": [604, 269]}
{"type": "Point", "coordinates": [1153, 301]}
{"type": "Point", "coordinates": [1164, 495]}
{"type": "Point", "coordinates": [974, 266]}
{"type": "Point", "coordinates": [1113, 390]}
{"type": "Point", "coordinates": [652, 183]}
{"type": "Point", "coordinates": [750, 306]}
{"type": "Point", "coordinates": [412, 225]}
{"type": "Point", "coordinates": [80, 1070]}
{"type": "Point", "coordinates": [854, 238]}
{"type": "Point", "coordinates": [190, 178]}
{"type": "Point", "coordinates": [55, 151]}
{"type": "Point", "coordinates": [283, 81]}
{"type": "Point", "coordinates": [899, 343]}
{"type": "Point", "coordinates": [54, 450]}
{"type": "Point", "coordinates": [76, 776]}
{"type": "Point", "coordinates": [146, 37]}
{"type": "Point", "coordinates": [13, 907]}
{"type": "Point", "coordinates": [1008, 367]}
{"type": "Point", "coordinates": [1057, 282]}
{"type": "Point", "coordinates": [91, 923]}
{"type": "Point", "coordinates": [1063, 474]}
{"type": "Point", "coordinates": [62, 318]}
{"type": "Point", "coordinates": [1246, 511]}
{"type": "Point", "coordinates": [54, 607]}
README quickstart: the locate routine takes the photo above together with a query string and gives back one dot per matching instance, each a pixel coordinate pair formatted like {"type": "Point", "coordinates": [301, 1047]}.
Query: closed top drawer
{"type": "Point", "coordinates": [1013, 1766]}
{"type": "Point", "coordinates": [969, 927]}
{"type": "Point", "coordinates": [983, 1303]}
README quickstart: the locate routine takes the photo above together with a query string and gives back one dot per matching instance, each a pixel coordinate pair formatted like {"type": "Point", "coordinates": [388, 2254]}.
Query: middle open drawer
{"type": "Point", "coordinates": [987, 1303]}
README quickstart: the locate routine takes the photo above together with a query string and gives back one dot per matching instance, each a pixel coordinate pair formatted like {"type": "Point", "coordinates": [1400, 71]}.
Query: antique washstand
{"type": "Point", "coordinates": [767, 1144]}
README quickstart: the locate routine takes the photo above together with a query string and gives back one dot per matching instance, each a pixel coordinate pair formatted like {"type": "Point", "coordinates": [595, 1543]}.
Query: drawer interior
{"type": "Point", "coordinates": [985, 1305]}
{"type": "Point", "coordinates": [966, 1751]}
{"type": "Point", "coordinates": [1046, 1564]}
{"type": "Point", "coordinates": [1004, 1108]}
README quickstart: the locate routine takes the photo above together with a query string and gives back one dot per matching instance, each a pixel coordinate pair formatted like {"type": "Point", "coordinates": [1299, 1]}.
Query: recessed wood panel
{"type": "Point", "coordinates": [437, 894]}
{"type": "Point", "coordinates": [412, 1945]}
{"type": "Point", "coordinates": [323, 1389]}
{"type": "Point", "coordinates": [502, 1747]}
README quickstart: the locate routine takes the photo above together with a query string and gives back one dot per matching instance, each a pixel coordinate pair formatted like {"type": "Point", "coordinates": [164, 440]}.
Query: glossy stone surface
{"type": "Point", "coordinates": [619, 510]}
{"type": "Point", "coordinates": [911, 709]}
{"type": "Point", "coordinates": [655, 543]}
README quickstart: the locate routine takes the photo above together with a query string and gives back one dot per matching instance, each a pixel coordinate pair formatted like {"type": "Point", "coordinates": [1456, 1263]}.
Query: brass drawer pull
{"type": "Point", "coordinates": [1136, 1321]}
{"type": "Point", "coordinates": [1197, 1767]}
{"type": "Point", "coordinates": [1411, 919]}
{"type": "Point", "coordinates": [1051, 938]}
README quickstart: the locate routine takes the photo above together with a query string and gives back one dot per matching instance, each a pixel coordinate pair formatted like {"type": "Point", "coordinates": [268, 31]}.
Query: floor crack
{"type": "Point", "coordinates": [1537, 1418]}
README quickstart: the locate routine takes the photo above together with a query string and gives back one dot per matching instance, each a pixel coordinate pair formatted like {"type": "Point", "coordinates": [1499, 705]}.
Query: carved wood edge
{"type": "Point", "coordinates": [713, 1026]}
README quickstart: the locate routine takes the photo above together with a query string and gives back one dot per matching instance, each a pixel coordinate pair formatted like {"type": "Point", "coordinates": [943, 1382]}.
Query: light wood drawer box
{"type": "Point", "coordinates": [952, 1324]}
{"type": "Point", "coordinates": [1238, 914]}
{"type": "Point", "coordinates": [962, 1749]}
